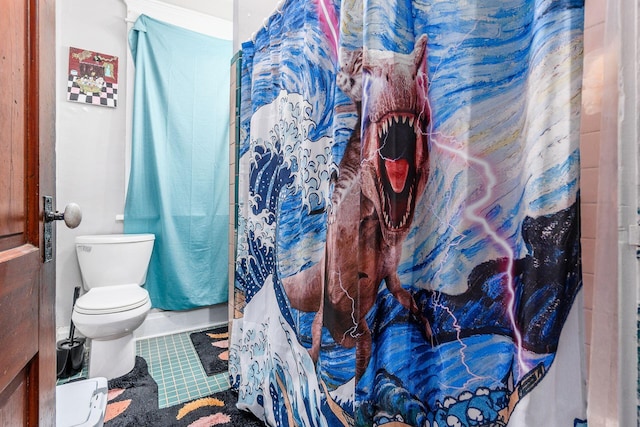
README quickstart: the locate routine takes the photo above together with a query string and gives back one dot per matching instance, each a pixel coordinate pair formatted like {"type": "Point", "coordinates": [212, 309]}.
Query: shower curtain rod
{"type": "Point", "coordinates": [180, 16]}
{"type": "Point", "coordinates": [266, 20]}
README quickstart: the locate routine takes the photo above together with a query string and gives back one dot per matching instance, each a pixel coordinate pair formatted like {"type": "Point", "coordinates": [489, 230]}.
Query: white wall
{"type": "Point", "coordinates": [248, 16]}
{"type": "Point", "coordinates": [220, 8]}
{"type": "Point", "coordinates": [90, 140]}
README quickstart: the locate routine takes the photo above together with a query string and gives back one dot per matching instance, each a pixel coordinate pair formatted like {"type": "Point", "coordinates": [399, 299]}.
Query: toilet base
{"type": "Point", "coordinates": [112, 358]}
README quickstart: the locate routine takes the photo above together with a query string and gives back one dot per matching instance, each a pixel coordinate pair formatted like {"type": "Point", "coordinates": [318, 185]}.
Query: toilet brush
{"type": "Point", "coordinates": [72, 327]}
{"type": "Point", "coordinates": [70, 351]}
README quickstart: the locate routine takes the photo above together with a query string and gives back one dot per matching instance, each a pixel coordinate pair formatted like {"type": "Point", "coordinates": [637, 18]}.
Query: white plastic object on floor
{"type": "Point", "coordinates": [81, 403]}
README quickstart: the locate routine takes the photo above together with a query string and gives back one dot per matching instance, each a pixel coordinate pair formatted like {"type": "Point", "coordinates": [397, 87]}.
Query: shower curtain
{"type": "Point", "coordinates": [179, 180]}
{"type": "Point", "coordinates": [408, 226]}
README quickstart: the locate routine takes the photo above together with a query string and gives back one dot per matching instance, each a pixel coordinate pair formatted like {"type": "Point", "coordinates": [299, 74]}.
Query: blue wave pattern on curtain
{"type": "Point", "coordinates": [408, 236]}
{"type": "Point", "coordinates": [179, 180]}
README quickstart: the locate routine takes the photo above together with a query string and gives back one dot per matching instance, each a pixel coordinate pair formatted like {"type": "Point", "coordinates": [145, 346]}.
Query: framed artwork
{"type": "Point", "coordinates": [93, 78]}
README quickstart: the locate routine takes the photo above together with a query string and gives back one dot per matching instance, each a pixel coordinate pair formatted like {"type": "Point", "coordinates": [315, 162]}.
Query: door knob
{"type": "Point", "coordinates": [72, 215]}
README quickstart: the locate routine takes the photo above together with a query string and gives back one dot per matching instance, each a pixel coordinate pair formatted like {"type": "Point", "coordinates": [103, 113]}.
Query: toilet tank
{"type": "Point", "coordinates": [114, 259]}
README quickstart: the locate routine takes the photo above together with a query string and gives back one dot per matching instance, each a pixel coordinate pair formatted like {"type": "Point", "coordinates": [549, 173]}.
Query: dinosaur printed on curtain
{"type": "Point", "coordinates": [381, 175]}
{"type": "Point", "coordinates": [408, 228]}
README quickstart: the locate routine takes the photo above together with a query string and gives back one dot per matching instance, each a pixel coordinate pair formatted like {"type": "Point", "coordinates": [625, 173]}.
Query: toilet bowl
{"type": "Point", "coordinates": [113, 268]}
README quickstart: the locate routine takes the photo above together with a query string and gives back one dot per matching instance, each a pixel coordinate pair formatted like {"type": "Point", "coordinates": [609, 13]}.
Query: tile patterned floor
{"type": "Point", "coordinates": [174, 365]}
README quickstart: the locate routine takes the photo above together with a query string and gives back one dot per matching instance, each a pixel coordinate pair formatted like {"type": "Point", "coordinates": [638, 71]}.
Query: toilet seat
{"type": "Point", "coordinates": [112, 299]}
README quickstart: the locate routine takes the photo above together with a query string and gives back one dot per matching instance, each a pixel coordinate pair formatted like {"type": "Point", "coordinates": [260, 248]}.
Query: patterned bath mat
{"type": "Point", "coordinates": [133, 402]}
{"type": "Point", "coordinates": [212, 347]}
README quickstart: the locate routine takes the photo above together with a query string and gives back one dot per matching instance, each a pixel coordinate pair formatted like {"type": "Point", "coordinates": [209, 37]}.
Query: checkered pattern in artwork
{"type": "Point", "coordinates": [107, 97]}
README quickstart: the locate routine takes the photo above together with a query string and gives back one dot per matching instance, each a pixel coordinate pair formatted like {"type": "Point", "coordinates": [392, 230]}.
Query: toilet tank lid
{"type": "Point", "coordinates": [114, 238]}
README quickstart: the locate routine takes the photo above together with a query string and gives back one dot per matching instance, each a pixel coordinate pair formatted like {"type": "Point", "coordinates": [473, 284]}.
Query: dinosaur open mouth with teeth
{"type": "Point", "coordinates": [395, 143]}
{"type": "Point", "coordinates": [397, 155]}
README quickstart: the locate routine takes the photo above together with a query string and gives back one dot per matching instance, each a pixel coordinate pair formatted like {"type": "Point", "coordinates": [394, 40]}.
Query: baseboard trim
{"type": "Point", "coordinates": [162, 322]}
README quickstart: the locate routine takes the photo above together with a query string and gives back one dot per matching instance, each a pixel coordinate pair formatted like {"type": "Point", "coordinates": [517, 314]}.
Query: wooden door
{"type": "Point", "coordinates": [27, 173]}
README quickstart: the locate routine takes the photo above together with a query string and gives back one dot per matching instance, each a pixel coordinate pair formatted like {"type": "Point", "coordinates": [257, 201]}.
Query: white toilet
{"type": "Point", "coordinates": [113, 267]}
